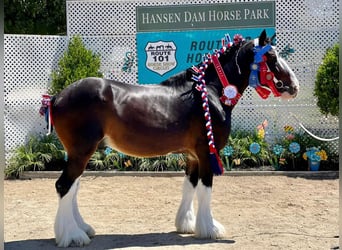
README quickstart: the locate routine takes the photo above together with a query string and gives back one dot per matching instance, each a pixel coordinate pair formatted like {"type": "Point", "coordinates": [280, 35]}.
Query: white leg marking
{"type": "Point", "coordinates": [206, 226]}
{"type": "Point", "coordinates": [78, 218]}
{"type": "Point", "coordinates": [185, 218]}
{"type": "Point", "coordinates": [67, 231]}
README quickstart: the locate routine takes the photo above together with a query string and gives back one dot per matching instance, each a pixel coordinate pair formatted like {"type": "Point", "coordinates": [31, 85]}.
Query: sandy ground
{"type": "Point", "coordinates": [273, 212]}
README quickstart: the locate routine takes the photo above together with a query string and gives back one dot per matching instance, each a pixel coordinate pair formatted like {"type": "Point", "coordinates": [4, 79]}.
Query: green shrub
{"type": "Point", "coordinates": [76, 63]}
{"type": "Point", "coordinates": [170, 162]}
{"type": "Point", "coordinates": [109, 159]}
{"type": "Point", "coordinates": [327, 83]}
{"type": "Point", "coordinates": [34, 155]}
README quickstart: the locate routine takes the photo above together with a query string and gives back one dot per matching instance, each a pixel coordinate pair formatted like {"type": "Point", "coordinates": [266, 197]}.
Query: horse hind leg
{"type": "Point", "coordinates": [78, 218]}
{"type": "Point", "coordinates": [67, 230]}
{"type": "Point", "coordinates": [70, 228]}
{"type": "Point", "coordinates": [185, 218]}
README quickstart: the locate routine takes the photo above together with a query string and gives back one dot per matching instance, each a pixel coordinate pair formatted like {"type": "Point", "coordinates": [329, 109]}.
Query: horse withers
{"type": "Point", "coordinates": [152, 120]}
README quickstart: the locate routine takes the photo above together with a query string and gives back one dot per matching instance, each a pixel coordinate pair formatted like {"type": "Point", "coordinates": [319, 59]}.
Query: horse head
{"type": "Point", "coordinates": [285, 81]}
{"type": "Point", "coordinates": [257, 64]}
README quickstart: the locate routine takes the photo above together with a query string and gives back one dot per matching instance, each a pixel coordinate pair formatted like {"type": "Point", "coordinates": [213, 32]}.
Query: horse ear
{"type": "Point", "coordinates": [262, 38]}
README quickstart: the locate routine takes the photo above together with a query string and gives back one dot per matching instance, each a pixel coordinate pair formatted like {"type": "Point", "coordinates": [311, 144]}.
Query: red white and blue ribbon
{"type": "Point", "coordinates": [45, 110]}
{"type": "Point", "coordinates": [230, 96]}
{"type": "Point", "coordinates": [260, 68]}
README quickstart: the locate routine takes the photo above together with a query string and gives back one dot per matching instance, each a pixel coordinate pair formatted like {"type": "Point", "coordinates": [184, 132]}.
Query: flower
{"type": "Point", "coordinates": [294, 147]}
{"type": "Point", "coordinates": [289, 132]}
{"type": "Point", "coordinates": [323, 155]}
{"type": "Point", "coordinates": [228, 150]}
{"type": "Point", "coordinates": [237, 161]}
{"type": "Point", "coordinates": [108, 150]}
{"type": "Point", "coordinates": [261, 133]}
{"type": "Point", "coordinates": [314, 154]}
{"type": "Point", "coordinates": [254, 148]}
{"type": "Point", "coordinates": [261, 129]}
{"type": "Point", "coordinates": [288, 129]}
{"type": "Point", "coordinates": [121, 155]}
{"type": "Point", "coordinates": [128, 163]}
{"type": "Point", "coordinates": [289, 136]}
{"type": "Point", "coordinates": [282, 161]}
{"type": "Point", "coordinates": [278, 149]}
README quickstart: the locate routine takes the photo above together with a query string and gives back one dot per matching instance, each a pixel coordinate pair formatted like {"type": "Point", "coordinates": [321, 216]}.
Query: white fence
{"type": "Point", "coordinates": [109, 28]}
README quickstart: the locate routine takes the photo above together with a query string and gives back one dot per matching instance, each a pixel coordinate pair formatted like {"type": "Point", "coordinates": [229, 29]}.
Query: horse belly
{"type": "Point", "coordinates": [147, 127]}
{"type": "Point", "coordinates": [146, 143]}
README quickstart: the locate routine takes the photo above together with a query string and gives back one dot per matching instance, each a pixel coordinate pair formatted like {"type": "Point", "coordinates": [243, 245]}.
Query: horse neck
{"type": "Point", "coordinates": [238, 69]}
{"type": "Point", "coordinates": [236, 66]}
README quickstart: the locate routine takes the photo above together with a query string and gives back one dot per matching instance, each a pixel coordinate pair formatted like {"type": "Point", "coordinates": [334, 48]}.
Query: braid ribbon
{"type": "Point", "coordinates": [215, 161]}
{"type": "Point", "coordinates": [198, 76]}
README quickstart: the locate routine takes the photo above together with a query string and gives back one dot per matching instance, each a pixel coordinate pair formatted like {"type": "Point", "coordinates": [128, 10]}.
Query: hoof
{"type": "Point", "coordinates": [76, 238]}
{"type": "Point", "coordinates": [186, 225]}
{"type": "Point", "coordinates": [88, 230]}
{"type": "Point", "coordinates": [214, 231]}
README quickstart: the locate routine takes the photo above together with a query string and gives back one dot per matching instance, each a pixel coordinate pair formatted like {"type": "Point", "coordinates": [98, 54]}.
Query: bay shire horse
{"type": "Point", "coordinates": [152, 120]}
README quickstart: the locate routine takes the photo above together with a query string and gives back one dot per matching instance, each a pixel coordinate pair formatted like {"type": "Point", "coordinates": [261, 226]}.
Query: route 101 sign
{"type": "Point", "coordinates": [160, 56]}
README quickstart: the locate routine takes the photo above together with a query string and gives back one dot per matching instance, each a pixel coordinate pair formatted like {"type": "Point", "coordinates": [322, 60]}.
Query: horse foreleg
{"type": "Point", "coordinates": [185, 218]}
{"type": "Point", "coordinates": [206, 225]}
{"type": "Point", "coordinates": [67, 230]}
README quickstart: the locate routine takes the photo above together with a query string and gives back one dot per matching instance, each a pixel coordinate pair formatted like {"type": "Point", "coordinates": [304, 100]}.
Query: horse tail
{"type": "Point", "coordinates": [45, 110]}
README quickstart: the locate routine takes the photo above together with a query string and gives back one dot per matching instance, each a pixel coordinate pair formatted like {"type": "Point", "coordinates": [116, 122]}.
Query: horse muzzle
{"type": "Point", "coordinates": [287, 91]}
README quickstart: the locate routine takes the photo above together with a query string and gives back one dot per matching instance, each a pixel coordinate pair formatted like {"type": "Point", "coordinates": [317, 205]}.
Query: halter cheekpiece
{"type": "Point", "coordinates": [260, 69]}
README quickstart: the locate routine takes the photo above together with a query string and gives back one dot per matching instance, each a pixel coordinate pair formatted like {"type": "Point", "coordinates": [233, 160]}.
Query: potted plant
{"type": "Point", "coordinates": [314, 155]}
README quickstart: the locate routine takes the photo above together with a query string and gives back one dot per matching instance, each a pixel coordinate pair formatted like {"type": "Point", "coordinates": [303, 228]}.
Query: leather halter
{"type": "Point", "coordinates": [260, 69]}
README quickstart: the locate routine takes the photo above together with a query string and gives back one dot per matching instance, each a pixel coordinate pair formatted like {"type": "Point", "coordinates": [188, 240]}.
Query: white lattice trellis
{"type": "Point", "coordinates": [109, 28]}
{"type": "Point", "coordinates": [29, 61]}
